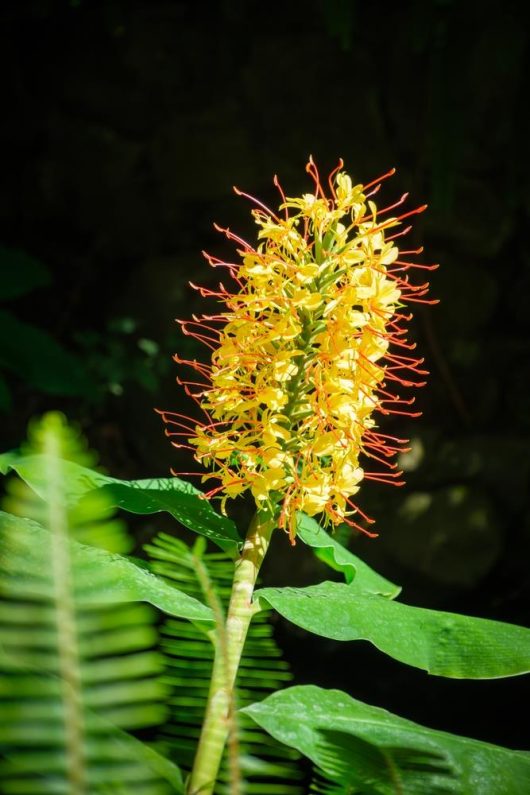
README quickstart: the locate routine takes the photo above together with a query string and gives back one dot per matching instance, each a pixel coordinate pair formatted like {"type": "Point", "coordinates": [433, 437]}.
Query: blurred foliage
{"type": "Point", "coordinates": [26, 350]}
{"type": "Point", "coordinates": [118, 356]}
{"type": "Point", "coordinates": [339, 20]}
{"type": "Point", "coordinates": [96, 364]}
{"type": "Point", "coordinates": [66, 650]}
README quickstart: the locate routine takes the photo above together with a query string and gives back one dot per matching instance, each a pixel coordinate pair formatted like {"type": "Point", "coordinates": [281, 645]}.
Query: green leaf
{"type": "Point", "coordinates": [177, 497]}
{"type": "Point", "coordinates": [36, 357]}
{"type": "Point", "coordinates": [380, 770]}
{"type": "Point", "coordinates": [34, 469]}
{"type": "Point", "coordinates": [124, 580]}
{"type": "Point", "coordinates": [362, 578]}
{"type": "Point", "coordinates": [182, 501]}
{"type": "Point", "coordinates": [298, 716]}
{"type": "Point", "coordinates": [22, 272]}
{"type": "Point", "coordinates": [445, 644]}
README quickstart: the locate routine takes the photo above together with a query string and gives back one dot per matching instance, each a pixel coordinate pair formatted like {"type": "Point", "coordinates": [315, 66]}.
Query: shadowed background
{"type": "Point", "coordinates": [125, 124]}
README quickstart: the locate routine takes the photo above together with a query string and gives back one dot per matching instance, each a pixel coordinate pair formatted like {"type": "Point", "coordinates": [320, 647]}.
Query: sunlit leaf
{"type": "Point", "coordinates": [101, 577]}
{"type": "Point", "coordinates": [356, 572]}
{"type": "Point", "coordinates": [445, 644]}
{"type": "Point", "coordinates": [298, 717]}
{"type": "Point", "coordinates": [172, 495]}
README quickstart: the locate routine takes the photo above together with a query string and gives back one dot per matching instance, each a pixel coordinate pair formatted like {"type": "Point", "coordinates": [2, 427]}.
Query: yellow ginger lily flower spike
{"type": "Point", "coordinates": [304, 354]}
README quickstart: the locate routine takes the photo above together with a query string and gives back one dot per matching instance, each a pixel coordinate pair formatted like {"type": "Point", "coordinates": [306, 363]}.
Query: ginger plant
{"type": "Point", "coordinates": [307, 352]}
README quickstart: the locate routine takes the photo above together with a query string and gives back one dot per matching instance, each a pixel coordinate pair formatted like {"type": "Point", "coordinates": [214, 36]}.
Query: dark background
{"type": "Point", "coordinates": [125, 124]}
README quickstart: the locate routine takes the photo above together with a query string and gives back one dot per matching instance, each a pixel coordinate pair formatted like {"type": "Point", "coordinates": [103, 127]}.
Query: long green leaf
{"type": "Point", "coordinates": [124, 581]}
{"type": "Point", "coordinates": [356, 572]}
{"type": "Point", "coordinates": [182, 501]}
{"type": "Point", "coordinates": [445, 644]}
{"type": "Point", "coordinates": [298, 716]}
{"type": "Point", "coordinates": [177, 497]}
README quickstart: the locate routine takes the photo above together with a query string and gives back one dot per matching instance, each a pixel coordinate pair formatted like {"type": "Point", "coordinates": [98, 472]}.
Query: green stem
{"type": "Point", "coordinates": [228, 649]}
{"type": "Point", "coordinates": [218, 636]}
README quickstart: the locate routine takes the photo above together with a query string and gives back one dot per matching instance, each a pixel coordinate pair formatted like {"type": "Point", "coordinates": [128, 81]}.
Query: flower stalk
{"type": "Point", "coordinates": [229, 643]}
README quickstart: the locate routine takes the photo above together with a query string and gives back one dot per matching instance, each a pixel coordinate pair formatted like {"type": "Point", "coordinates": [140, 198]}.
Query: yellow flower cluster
{"type": "Point", "coordinates": [302, 357]}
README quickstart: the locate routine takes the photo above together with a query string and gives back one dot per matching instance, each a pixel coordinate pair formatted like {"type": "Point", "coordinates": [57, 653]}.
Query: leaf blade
{"type": "Point", "coordinates": [130, 582]}
{"type": "Point", "coordinates": [356, 572]}
{"type": "Point", "coordinates": [443, 644]}
{"type": "Point", "coordinates": [171, 495]}
{"type": "Point", "coordinates": [298, 715]}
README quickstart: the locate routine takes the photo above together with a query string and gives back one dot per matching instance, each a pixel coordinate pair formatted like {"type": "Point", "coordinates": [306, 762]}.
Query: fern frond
{"type": "Point", "coordinates": [74, 672]}
{"type": "Point", "coordinates": [55, 447]}
{"type": "Point", "coordinates": [351, 766]}
{"type": "Point", "coordinates": [268, 767]}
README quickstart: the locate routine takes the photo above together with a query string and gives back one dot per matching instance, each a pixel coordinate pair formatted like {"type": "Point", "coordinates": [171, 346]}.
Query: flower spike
{"type": "Point", "coordinates": [302, 353]}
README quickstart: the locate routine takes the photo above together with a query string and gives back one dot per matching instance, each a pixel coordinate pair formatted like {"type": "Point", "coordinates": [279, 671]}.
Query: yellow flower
{"type": "Point", "coordinates": [305, 353]}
